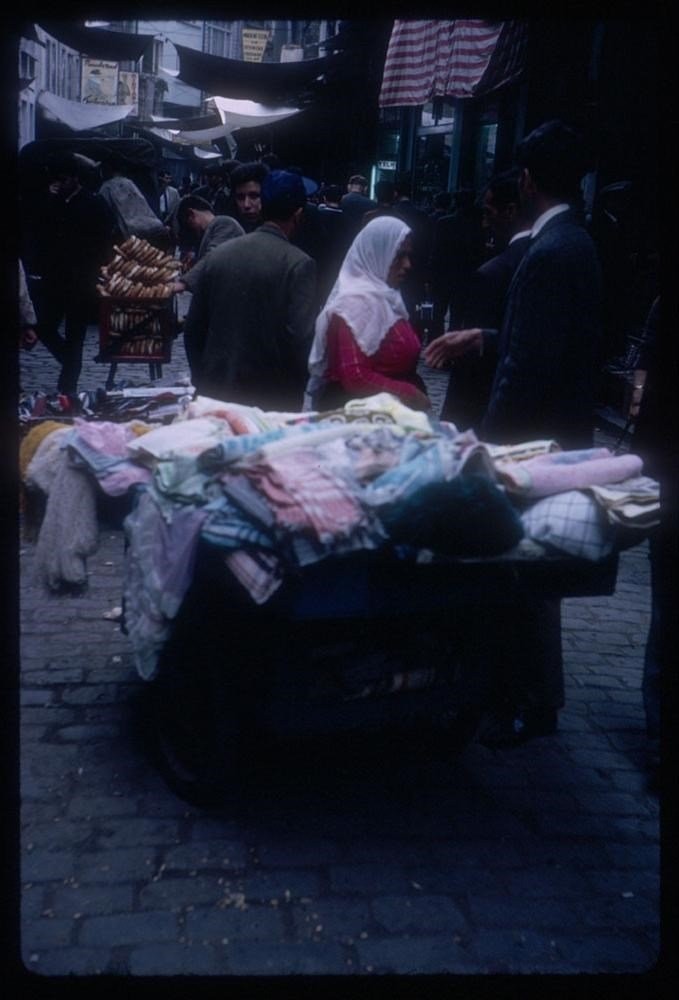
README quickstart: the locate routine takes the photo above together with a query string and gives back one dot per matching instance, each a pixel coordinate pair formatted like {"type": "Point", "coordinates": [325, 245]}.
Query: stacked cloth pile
{"type": "Point", "coordinates": [279, 491]}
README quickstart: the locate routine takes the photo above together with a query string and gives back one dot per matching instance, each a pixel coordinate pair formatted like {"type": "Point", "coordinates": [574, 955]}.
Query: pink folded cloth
{"type": "Point", "coordinates": [560, 471]}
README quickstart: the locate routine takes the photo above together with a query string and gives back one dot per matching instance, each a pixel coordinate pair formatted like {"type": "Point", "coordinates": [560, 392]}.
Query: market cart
{"type": "Point", "coordinates": [137, 310]}
{"type": "Point", "coordinates": [136, 331]}
{"type": "Point", "coordinates": [361, 644]}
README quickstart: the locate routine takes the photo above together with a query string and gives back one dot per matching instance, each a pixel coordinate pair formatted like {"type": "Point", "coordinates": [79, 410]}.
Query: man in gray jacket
{"type": "Point", "coordinates": [195, 215]}
{"type": "Point", "coordinates": [251, 321]}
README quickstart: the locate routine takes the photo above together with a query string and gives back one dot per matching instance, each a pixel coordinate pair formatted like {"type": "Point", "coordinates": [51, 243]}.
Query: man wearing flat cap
{"type": "Point", "coordinates": [251, 321]}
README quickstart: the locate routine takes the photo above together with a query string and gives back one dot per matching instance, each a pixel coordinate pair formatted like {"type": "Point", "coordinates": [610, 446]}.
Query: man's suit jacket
{"type": "Point", "coordinates": [251, 321]}
{"type": "Point", "coordinates": [218, 231]}
{"type": "Point", "coordinates": [549, 341]}
{"type": "Point", "coordinates": [472, 376]}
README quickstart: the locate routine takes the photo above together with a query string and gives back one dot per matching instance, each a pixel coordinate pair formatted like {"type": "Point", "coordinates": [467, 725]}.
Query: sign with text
{"type": "Point", "coordinates": [254, 44]}
{"type": "Point", "coordinates": [99, 81]}
{"type": "Point", "coordinates": [128, 89]}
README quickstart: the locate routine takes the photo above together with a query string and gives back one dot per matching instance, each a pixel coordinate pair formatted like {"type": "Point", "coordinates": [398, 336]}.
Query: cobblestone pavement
{"type": "Point", "coordinates": [538, 859]}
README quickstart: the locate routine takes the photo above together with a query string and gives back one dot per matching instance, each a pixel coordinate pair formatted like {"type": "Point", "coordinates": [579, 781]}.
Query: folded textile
{"type": "Point", "coordinates": [635, 502]}
{"type": "Point", "coordinates": [523, 451]}
{"type": "Point", "coordinates": [560, 471]}
{"type": "Point", "coordinates": [466, 516]}
{"type": "Point", "coordinates": [570, 522]}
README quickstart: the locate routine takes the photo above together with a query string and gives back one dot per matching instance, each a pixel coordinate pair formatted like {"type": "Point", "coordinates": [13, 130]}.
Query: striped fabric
{"type": "Point", "coordinates": [461, 58]}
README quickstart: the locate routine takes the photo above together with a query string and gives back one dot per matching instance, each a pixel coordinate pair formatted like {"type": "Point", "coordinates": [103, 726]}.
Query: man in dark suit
{"type": "Point", "coordinates": [543, 388]}
{"type": "Point", "coordinates": [251, 320]}
{"type": "Point", "coordinates": [472, 375]}
{"type": "Point", "coordinates": [551, 331]}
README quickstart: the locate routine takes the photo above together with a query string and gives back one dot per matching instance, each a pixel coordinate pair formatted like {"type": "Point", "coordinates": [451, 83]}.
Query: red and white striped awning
{"type": "Point", "coordinates": [461, 58]}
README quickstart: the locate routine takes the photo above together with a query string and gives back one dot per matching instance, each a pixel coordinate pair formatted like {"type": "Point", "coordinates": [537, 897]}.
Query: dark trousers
{"type": "Point", "coordinates": [55, 304]}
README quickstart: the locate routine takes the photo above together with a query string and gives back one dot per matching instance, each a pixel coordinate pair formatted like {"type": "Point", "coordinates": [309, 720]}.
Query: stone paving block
{"type": "Point", "coordinates": [89, 733]}
{"type": "Point", "coordinates": [46, 932]}
{"type": "Point", "coordinates": [131, 832]}
{"type": "Point", "coordinates": [173, 893]}
{"type": "Point", "coordinates": [227, 924]}
{"type": "Point", "coordinates": [420, 914]}
{"type": "Point", "coordinates": [548, 882]}
{"type": "Point", "coordinates": [66, 961]}
{"type": "Point", "coordinates": [173, 960]}
{"type": "Point", "coordinates": [74, 901]}
{"type": "Point", "coordinates": [454, 880]}
{"type": "Point", "coordinates": [41, 812]}
{"type": "Point", "coordinates": [536, 914]}
{"type": "Point", "coordinates": [336, 919]}
{"type": "Point", "coordinates": [128, 928]}
{"type": "Point", "coordinates": [126, 864]}
{"type": "Point", "coordinates": [226, 855]}
{"type": "Point", "coordinates": [599, 953]}
{"type": "Point", "coordinates": [32, 902]}
{"type": "Point", "coordinates": [415, 955]}
{"type": "Point", "coordinates": [63, 833]}
{"type": "Point", "coordinates": [89, 806]}
{"type": "Point", "coordinates": [618, 911]}
{"type": "Point", "coordinates": [489, 854]}
{"type": "Point", "coordinates": [366, 879]}
{"type": "Point", "coordinates": [52, 676]}
{"type": "Point", "coordinates": [50, 715]}
{"type": "Point", "coordinates": [90, 694]}
{"type": "Point", "coordinates": [36, 696]}
{"type": "Point", "coordinates": [516, 951]}
{"type": "Point", "coordinates": [32, 734]}
{"type": "Point", "coordinates": [290, 853]}
{"type": "Point", "coordinates": [249, 958]}
{"type": "Point", "coordinates": [563, 852]}
{"type": "Point", "coordinates": [44, 865]}
{"type": "Point", "coordinates": [612, 804]}
{"type": "Point", "coordinates": [284, 885]}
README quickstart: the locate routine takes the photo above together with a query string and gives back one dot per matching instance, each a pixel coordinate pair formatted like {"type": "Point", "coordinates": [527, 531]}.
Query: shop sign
{"type": "Point", "coordinates": [128, 89]}
{"type": "Point", "coordinates": [386, 164]}
{"type": "Point", "coordinates": [99, 81]}
{"type": "Point", "coordinates": [254, 44]}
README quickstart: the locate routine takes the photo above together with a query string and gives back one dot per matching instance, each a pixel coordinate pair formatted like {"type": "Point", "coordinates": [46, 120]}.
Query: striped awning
{"type": "Point", "coordinates": [461, 58]}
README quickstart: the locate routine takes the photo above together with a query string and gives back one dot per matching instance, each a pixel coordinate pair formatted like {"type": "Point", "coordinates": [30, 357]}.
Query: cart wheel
{"type": "Point", "coordinates": [188, 763]}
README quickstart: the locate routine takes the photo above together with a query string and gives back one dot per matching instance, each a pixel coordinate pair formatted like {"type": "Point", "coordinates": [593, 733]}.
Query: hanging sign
{"type": "Point", "coordinates": [254, 44]}
{"type": "Point", "coordinates": [128, 89]}
{"type": "Point", "coordinates": [99, 81]}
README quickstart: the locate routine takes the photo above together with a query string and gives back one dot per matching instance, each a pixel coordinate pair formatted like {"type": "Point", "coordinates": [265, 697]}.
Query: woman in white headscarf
{"type": "Point", "coordinates": [364, 342]}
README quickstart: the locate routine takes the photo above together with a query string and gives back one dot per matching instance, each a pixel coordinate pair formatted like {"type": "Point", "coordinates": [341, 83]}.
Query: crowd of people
{"type": "Point", "coordinates": [305, 302]}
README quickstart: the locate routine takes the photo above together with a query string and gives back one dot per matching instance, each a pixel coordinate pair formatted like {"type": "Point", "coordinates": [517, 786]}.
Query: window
{"type": "Point", "coordinates": [218, 39]}
{"type": "Point", "coordinates": [440, 111]}
{"type": "Point", "coordinates": [152, 57]}
{"type": "Point", "coordinates": [485, 154]}
{"type": "Point", "coordinates": [432, 165]}
{"type": "Point", "coordinates": [52, 66]}
{"type": "Point", "coordinates": [26, 66]}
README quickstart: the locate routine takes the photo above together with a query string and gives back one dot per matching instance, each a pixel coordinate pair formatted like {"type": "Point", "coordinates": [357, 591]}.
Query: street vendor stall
{"type": "Point", "coordinates": [138, 316]}
{"type": "Point", "coordinates": [293, 575]}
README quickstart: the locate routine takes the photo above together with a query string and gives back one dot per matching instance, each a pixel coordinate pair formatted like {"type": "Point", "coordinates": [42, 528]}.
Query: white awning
{"type": "Point", "coordinates": [79, 116]}
{"type": "Point", "coordinates": [246, 114]}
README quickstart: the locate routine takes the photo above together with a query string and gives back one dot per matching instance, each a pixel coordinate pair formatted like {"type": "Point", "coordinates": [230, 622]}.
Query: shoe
{"type": "Point", "coordinates": [513, 729]}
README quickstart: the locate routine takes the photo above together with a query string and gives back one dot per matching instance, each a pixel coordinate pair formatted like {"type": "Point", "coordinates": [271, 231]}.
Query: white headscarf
{"type": "Point", "coordinates": [361, 295]}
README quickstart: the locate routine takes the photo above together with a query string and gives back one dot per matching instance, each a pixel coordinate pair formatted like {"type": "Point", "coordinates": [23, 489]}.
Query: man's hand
{"type": "Point", "coordinates": [452, 345]}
